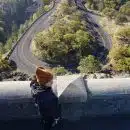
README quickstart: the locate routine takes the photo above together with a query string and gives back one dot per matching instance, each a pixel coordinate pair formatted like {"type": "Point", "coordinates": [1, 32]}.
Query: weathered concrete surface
{"type": "Point", "coordinates": [72, 96]}
{"type": "Point", "coordinates": [108, 96]}
{"type": "Point", "coordinates": [16, 101]}
{"type": "Point", "coordinates": [97, 97]}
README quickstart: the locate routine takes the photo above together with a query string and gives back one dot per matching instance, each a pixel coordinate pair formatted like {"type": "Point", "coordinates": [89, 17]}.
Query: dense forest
{"type": "Point", "coordinates": [12, 14]}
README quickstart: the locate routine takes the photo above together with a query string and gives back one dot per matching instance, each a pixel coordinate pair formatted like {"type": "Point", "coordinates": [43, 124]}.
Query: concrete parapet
{"type": "Point", "coordinates": [78, 97]}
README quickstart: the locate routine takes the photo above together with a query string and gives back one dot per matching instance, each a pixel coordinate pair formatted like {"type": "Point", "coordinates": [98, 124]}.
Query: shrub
{"type": "Point", "coordinates": [46, 8]}
{"type": "Point", "coordinates": [89, 65]}
{"type": "Point", "coordinates": [120, 58]}
{"type": "Point", "coordinates": [120, 18]}
{"type": "Point", "coordinates": [123, 36]}
{"type": "Point", "coordinates": [125, 9]}
{"type": "Point", "coordinates": [60, 71]}
{"type": "Point", "coordinates": [3, 63]}
{"type": "Point", "coordinates": [109, 12]}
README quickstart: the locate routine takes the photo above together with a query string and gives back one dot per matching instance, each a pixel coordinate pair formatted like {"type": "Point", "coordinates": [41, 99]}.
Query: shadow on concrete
{"type": "Point", "coordinates": [95, 123]}
{"type": "Point", "coordinates": [99, 123]}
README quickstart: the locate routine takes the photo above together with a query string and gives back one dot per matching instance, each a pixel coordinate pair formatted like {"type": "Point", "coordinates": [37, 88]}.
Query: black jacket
{"type": "Point", "coordinates": [47, 101]}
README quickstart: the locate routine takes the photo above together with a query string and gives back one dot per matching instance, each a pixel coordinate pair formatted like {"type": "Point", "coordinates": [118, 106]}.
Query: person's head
{"type": "Point", "coordinates": [44, 77]}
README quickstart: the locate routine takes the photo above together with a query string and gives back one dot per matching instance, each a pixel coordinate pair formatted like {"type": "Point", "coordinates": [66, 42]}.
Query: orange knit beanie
{"type": "Point", "coordinates": [43, 76]}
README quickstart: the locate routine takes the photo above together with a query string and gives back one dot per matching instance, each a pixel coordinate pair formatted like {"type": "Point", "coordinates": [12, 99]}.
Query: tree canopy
{"type": "Point", "coordinates": [125, 9]}
{"type": "Point", "coordinates": [89, 65]}
{"type": "Point", "coordinates": [119, 56]}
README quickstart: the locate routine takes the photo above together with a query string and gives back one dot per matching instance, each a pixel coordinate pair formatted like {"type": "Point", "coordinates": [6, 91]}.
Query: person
{"type": "Point", "coordinates": [45, 99]}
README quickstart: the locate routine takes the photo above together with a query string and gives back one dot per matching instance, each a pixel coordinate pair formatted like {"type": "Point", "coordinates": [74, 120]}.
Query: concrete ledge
{"type": "Point", "coordinates": [79, 98]}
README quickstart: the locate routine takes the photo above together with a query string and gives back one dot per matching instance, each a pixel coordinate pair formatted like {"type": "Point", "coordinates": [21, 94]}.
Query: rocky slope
{"type": "Point", "coordinates": [14, 76]}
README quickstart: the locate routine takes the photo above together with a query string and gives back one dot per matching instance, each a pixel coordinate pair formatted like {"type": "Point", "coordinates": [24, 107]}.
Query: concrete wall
{"type": "Point", "coordinates": [78, 98]}
{"type": "Point", "coordinates": [108, 96]}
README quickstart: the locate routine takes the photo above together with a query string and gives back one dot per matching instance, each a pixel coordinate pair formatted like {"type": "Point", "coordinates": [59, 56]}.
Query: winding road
{"type": "Point", "coordinates": [93, 22]}
{"type": "Point", "coordinates": [22, 55]}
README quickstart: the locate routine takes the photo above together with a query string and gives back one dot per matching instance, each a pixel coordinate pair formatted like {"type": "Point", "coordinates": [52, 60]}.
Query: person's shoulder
{"type": "Point", "coordinates": [34, 86]}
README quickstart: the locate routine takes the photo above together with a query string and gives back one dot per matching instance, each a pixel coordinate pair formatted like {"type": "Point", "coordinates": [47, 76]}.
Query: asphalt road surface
{"type": "Point", "coordinates": [93, 20]}
{"type": "Point", "coordinates": [107, 123]}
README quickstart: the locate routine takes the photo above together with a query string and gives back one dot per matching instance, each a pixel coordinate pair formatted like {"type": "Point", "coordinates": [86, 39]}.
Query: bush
{"type": "Point", "coordinates": [120, 58]}
{"type": "Point", "coordinates": [120, 18]}
{"type": "Point", "coordinates": [89, 65]}
{"type": "Point", "coordinates": [125, 9]}
{"type": "Point", "coordinates": [110, 13]}
{"type": "Point", "coordinates": [123, 36]}
{"type": "Point", "coordinates": [3, 63]}
{"type": "Point", "coordinates": [60, 71]}
{"type": "Point", "coordinates": [46, 8]}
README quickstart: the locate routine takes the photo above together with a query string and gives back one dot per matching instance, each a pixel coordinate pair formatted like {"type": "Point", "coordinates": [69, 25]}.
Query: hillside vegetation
{"type": "Point", "coordinates": [120, 54]}
{"type": "Point", "coordinates": [13, 14]}
{"type": "Point", "coordinates": [113, 9]}
{"type": "Point", "coordinates": [2, 33]}
{"type": "Point", "coordinates": [118, 12]}
{"type": "Point", "coordinates": [16, 34]}
{"type": "Point", "coordinates": [67, 41]}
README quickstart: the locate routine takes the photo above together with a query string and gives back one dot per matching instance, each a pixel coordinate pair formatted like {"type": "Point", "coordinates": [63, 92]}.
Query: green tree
{"type": "Point", "coordinates": [125, 9]}
{"type": "Point", "coordinates": [89, 65]}
{"type": "Point", "coordinates": [3, 63]}
{"type": "Point", "coordinates": [2, 35]}
{"type": "Point", "coordinates": [2, 31]}
{"type": "Point", "coordinates": [2, 49]}
{"type": "Point", "coordinates": [120, 58]}
{"type": "Point", "coordinates": [113, 4]}
{"type": "Point", "coordinates": [109, 12]}
{"type": "Point", "coordinates": [14, 27]}
{"type": "Point", "coordinates": [90, 3]}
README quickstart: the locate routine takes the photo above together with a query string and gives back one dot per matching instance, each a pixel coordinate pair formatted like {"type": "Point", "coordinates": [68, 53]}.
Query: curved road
{"type": "Point", "coordinates": [93, 20]}
{"type": "Point", "coordinates": [22, 54]}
